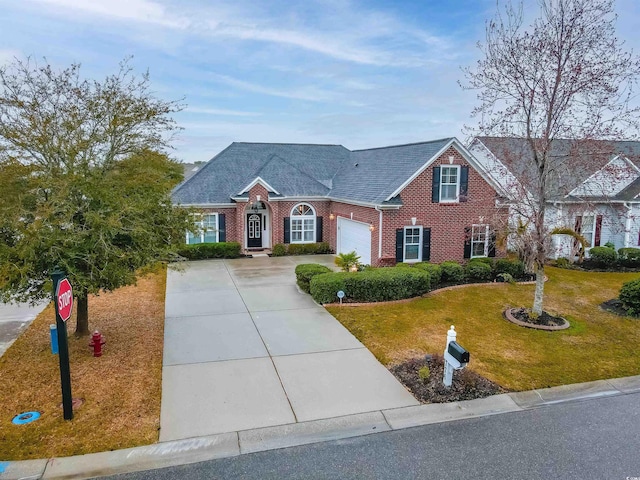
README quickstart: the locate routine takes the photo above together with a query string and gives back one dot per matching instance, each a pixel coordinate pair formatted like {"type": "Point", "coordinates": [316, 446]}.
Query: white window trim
{"type": "Point", "coordinates": [303, 218]}
{"type": "Point", "coordinates": [201, 227]}
{"type": "Point", "coordinates": [457, 199]}
{"type": "Point", "coordinates": [486, 241]}
{"type": "Point", "coordinates": [404, 245]}
{"type": "Point", "coordinates": [593, 231]}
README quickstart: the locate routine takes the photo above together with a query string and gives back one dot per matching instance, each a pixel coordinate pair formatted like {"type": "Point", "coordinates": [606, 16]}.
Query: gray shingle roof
{"type": "Point", "coordinates": [298, 170]}
{"type": "Point", "coordinates": [571, 162]}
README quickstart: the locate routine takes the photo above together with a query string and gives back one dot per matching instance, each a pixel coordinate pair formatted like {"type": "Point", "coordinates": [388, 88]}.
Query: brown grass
{"type": "Point", "coordinates": [598, 344]}
{"type": "Point", "coordinates": [121, 389]}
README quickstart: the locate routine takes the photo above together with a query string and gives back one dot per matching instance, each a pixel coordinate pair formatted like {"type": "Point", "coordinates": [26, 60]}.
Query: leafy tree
{"type": "Point", "coordinates": [84, 181]}
{"type": "Point", "coordinates": [566, 76]}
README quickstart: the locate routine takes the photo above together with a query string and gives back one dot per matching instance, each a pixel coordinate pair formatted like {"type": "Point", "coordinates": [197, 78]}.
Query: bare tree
{"type": "Point", "coordinates": [565, 76]}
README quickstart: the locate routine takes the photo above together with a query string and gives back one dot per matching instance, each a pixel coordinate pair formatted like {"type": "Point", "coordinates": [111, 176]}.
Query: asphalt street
{"type": "Point", "coordinates": [589, 439]}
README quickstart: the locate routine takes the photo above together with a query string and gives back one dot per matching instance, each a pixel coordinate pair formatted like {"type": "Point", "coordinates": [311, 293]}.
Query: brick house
{"type": "Point", "coordinates": [419, 202]}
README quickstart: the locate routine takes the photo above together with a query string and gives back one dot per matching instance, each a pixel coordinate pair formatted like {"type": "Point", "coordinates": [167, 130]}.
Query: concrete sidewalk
{"type": "Point", "coordinates": [245, 349]}
{"type": "Point", "coordinates": [14, 319]}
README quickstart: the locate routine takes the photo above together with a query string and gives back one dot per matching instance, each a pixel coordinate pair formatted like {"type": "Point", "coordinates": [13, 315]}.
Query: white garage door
{"type": "Point", "coordinates": [356, 236]}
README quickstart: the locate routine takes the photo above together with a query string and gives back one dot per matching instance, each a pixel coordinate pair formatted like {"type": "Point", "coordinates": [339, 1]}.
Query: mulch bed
{"type": "Point", "coordinates": [546, 319]}
{"type": "Point", "coordinates": [614, 306]}
{"type": "Point", "coordinates": [467, 385]}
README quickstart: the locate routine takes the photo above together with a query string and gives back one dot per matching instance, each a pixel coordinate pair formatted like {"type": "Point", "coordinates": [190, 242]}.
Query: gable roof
{"type": "Point", "coordinates": [572, 162]}
{"type": "Point", "coordinates": [373, 176]}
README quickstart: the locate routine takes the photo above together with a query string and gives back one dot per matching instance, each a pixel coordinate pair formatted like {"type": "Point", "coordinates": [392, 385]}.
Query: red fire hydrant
{"type": "Point", "coordinates": [97, 340]}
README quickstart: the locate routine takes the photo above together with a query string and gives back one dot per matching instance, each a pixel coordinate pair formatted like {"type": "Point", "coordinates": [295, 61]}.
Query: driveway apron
{"type": "Point", "coordinates": [245, 349]}
{"type": "Point", "coordinates": [14, 319]}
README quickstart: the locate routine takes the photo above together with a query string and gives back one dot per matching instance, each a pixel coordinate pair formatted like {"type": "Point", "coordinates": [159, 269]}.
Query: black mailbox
{"type": "Point", "coordinates": [458, 352]}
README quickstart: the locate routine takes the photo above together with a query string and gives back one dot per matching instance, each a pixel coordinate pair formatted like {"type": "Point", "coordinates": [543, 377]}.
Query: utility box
{"type": "Point", "coordinates": [458, 352]}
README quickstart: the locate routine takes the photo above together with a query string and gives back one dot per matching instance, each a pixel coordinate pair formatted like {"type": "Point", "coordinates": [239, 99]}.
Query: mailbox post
{"type": "Point", "coordinates": [455, 357]}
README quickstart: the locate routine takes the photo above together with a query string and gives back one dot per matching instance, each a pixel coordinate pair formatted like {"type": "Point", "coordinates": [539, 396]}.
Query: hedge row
{"type": "Point", "coordinates": [606, 257]}
{"type": "Point", "coordinates": [200, 251]}
{"type": "Point", "coordinates": [374, 285]}
{"type": "Point", "coordinates": [280, 249]}
{"type": "Point", "coordinates": [306, 271]}
{"type": "Point", "coordinates": [476, 270]}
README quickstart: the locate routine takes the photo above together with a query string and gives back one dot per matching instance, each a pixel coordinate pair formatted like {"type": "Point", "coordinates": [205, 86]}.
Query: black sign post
{"type": "Point", "coordinates": [63, 349]}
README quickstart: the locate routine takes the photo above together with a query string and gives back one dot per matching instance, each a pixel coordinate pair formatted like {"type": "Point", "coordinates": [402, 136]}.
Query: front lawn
{"type": "Point", "coordinates": [598, 344]}
{"type": "Point", "coordinates": [121, 389]}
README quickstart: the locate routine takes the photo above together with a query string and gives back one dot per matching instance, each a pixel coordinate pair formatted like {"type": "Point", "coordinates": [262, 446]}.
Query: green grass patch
{"type": "Point", "coordinates": [598, 344]}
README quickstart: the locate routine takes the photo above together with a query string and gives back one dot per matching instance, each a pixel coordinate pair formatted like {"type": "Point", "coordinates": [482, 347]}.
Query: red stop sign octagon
{"type": "Point", "coordinates": [64, 297]}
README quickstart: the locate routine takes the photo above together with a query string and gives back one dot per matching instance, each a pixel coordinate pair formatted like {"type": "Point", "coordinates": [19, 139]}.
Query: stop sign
{"type": "Point", "coordinates": [64, 298]}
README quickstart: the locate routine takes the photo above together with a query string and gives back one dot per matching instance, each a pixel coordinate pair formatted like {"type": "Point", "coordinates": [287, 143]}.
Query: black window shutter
{"type": "Point", "coordinates": [222, 228]}
{"type": "Point", "coordinates": [492, 244]}
{"type": "Point", "coordinates": [287, 230]}
{"type": "Point", "coordinates": [426, 244]}
{"type": "Point", "coordinates": [318, 229]}
{"type": "Point", "coordinates": [467, 242]}
{"type": "Point", "coordinates": [464, 183]}
{"type": "Point", "coordinates": [435, 185]}
{"type": "Point", "coordinates": [399, 245]}
{"type": "Point", "coordinates": [596, 242]}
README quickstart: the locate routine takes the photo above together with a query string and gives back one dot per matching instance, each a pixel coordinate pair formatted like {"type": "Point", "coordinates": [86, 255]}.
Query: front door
{"type": "Point", "coordinates": [254, 230]}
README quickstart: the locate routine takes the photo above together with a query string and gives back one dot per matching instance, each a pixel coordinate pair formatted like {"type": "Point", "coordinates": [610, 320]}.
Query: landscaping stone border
{"type": "Point", "coordinates": [507, 315]}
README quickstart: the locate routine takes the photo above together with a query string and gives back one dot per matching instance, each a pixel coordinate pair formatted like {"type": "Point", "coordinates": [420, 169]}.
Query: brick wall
{"type": "Point", "coordinates": [446, 220]}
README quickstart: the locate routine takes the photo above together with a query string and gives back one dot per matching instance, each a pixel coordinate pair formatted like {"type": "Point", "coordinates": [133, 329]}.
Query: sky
{"type": "Point", "coordinates": [361, 74]}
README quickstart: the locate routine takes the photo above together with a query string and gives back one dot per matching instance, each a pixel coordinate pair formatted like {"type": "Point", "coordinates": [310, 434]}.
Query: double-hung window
{"type": "Point", "coordinates": [412, 244]}
{"type": "Point", "coordinates": [479, 241]}
{"type": "Point", "coordinates": [449, 183]}
{"type": "Point", "coordinates": [303, 224]}
{"type": "Point", "coordinates": [587, 229]}
{"type": "Point", "coordinates": [206, 227]}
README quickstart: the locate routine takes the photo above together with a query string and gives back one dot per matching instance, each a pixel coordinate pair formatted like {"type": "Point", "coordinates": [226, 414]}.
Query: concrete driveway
{"type": "Point", "coordinates": [245, 349]}
{"type": "Point", "coordinates": [14, 319]}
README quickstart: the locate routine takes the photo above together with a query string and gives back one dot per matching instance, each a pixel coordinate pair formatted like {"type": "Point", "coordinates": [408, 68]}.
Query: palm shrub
{"type": "Point", "coordinates": [347, 260]}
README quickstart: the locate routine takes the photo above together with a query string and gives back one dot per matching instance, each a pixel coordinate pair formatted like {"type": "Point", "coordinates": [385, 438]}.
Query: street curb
{"type": "Point", "coordinates": [224, 445]}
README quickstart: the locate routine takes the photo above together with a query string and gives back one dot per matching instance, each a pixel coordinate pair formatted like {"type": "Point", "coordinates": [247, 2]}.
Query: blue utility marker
{"type": "Point", "coordinates": [26, 417]}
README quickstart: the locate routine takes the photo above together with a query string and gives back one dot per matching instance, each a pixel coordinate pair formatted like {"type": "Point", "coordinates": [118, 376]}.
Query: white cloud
{"type": "Point", "coordinates": [221, 111]}
{"type": "Point", "coordinates": [145, 11]}
{"type": "Point", "coordinates": [308, 93]}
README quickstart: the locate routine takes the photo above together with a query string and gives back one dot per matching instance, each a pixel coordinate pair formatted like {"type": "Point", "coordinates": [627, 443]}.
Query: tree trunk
{"type": "Point", "coordinates": [82, 315]}
{"type": "Point", "coordinates": [539, 295]}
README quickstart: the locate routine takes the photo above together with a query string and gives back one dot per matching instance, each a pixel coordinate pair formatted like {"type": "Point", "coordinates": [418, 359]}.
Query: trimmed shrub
{"type": "Point", "coordinates": [308, 248]}
{"type": "Point", "coordinates": [452, 272]}
{"type": "Point", "coordinates": [200, 251]}
{"type": "Point", "coordinates": [306, 271]}
{"type": "Point", "coordinates": [374, 285]}
{"type": "Point", "coordinates": [602, 256]}
{"type": "Point", "coordinates": [629, 257]}
{"type": "Point", "coordinates": [435, 271]}
{"type": "Point", "coordinates": [505, 277]}
{"type": "Point", "coordinates": [515, 268]}
{"type": "Point", "coordinates": [478, 271]}
{"type": "Point", "coordinates": [485, 260]}
{"type": "Point", "coordinates": [630, 296]}
{"type": "Point", "coordinates": [279, 250]}
{"type": "Point", "coordinates": [404, 265]}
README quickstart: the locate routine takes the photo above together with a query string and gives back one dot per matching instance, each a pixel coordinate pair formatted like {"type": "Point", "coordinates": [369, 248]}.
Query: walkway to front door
{"type": "Point", "coordinates": [244, 349]}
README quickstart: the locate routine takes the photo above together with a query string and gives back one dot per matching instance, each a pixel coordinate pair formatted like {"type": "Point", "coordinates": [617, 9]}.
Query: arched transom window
{"type": "Point", "coordinates": [303, 224]}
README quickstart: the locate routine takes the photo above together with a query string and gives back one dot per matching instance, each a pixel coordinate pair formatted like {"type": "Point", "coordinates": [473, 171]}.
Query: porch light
{"type": "Point", "coordinates": [332, 216]}
{"type": "Point", "coordinates": [371, 227]}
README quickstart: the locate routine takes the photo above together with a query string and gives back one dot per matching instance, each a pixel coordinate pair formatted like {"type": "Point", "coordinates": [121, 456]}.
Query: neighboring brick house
{"type": "Point", "coordinates": [593, 187]}
{"type": "Point", "coordinates": [419, 202]}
